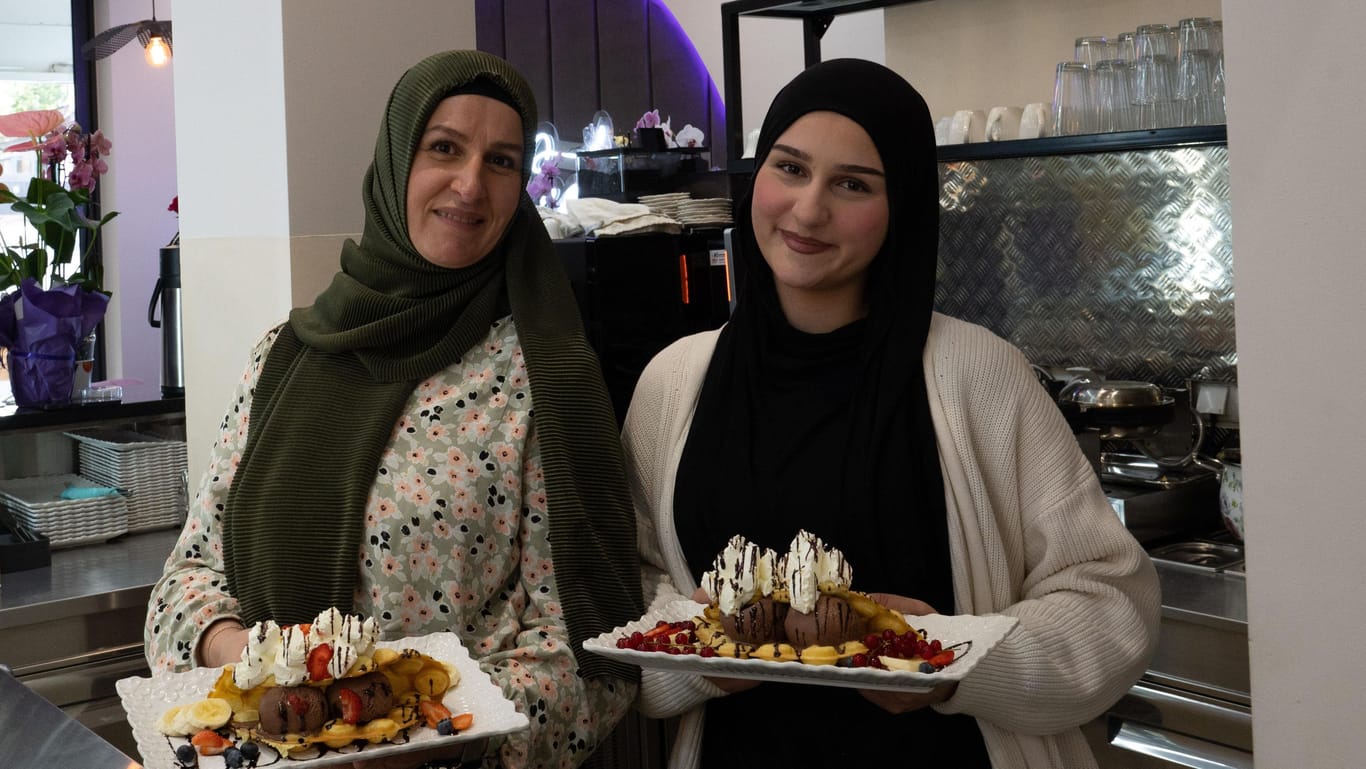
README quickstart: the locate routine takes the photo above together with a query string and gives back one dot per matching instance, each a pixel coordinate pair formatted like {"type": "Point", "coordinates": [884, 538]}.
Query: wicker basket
{"type": "Point", "coordinates": [152, 470]}
{"type": "Point", "coordinates": [37, 504]}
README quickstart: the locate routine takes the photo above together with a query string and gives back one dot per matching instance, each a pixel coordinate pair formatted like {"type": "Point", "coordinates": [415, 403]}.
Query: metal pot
{"type": "Point", "coordinates": [1119, 409]}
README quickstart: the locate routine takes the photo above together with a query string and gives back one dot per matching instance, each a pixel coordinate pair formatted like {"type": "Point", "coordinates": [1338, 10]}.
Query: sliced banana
{"type": "Point", "coordinates": [168, 723]}
{"type": "Point", "coordinates": [432, 682]}
{"type": "Point", "coordinates": [820, 655]}
{"type": "Point", "coordinates": [210, 713]}
{"type": "Point", "coordinates": [896, 663]}
{"type": "Point", "coordinates": [182, 723]}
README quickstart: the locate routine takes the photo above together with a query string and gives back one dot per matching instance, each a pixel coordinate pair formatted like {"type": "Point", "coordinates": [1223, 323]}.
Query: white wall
{"type": "Point", "coordinates": [136, 113]}
{"type": "Point", "coordinates": [283, 100]}
{"type": "Point", "coordinates": [771, 49]}
{"type": "Point", "coordinates": [979, 54]}
{"type": "Point", "coordinates": [1298, 231]}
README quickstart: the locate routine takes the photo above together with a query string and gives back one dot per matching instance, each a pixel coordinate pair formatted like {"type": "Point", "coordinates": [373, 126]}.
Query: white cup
{"type": "Point", "coordinates": [968, 126]}
{"type": "Point", "coordinates": [1034, 120]}
{"type": "Point", "coordinates": [1003, 124]}
{"type": "Point", "coordinates": [941, 130]}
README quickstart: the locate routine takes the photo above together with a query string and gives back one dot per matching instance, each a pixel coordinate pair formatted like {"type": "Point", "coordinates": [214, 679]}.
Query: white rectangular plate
{"type": "Point", "coordinates": [145, 699]}
{"type": "Point", "coordinates": [983, 631]}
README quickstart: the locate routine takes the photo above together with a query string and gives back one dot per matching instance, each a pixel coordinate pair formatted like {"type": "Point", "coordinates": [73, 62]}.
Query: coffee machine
{"type": "Point", "coordinates": [167, 295]}
{"type": "Point", "coordinates": [1130, 431]}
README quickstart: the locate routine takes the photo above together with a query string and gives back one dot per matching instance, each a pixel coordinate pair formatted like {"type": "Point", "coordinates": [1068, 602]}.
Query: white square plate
{"type": "Point", "coordinates": [984, 632]}
{"type": "Point", "coordinates": [145, 699]}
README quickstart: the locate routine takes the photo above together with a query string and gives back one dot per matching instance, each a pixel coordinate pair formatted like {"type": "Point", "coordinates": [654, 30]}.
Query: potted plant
{"type": "Point", "coordinates": [47, 324]}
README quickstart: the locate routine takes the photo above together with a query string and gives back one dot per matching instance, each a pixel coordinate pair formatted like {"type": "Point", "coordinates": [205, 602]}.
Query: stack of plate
{"type": "Point", "coordinates": [37, 504]}
{"type": "Point", "coordinates": [666, 203]}
{"type": "Point", "coordinates": [152, 470]}
{"type": "Point", "coordinates": [705, 212]}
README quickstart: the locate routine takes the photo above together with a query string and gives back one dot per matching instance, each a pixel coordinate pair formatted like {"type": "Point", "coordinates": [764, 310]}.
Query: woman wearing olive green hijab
{"type": "Point", "coordinates": [430, 443]}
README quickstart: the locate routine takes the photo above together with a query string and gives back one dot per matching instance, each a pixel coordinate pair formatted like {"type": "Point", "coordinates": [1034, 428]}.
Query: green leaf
{"type": "Point", "coordinates": [35, 265]}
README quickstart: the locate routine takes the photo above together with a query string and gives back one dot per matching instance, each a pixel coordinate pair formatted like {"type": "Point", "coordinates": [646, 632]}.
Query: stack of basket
{"type": "Point", "coordinates": [37, 505]}
{"type": "Point", "coordinates": [151, 470]}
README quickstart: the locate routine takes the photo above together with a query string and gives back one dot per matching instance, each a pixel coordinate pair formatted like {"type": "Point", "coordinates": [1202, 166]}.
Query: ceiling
{"type": "Point", "coordinates": [35, 37]}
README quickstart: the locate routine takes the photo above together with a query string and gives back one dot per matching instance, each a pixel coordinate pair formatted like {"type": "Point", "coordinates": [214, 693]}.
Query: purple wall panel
{"type": "Point", "coordinates": [574, 65]}
{"type": "Point", "coordinates": [623, 61]}
{"type": "Point", "coordinates": [675, 73]}
{"type": "Point", "coordinates": [528, 39]}
{"type": "Point", "coordinates": [624, 56]}
{"type": "Point", "coordinates": [716, 134]}
{"type": "Point", "coordinates": [488, 27]}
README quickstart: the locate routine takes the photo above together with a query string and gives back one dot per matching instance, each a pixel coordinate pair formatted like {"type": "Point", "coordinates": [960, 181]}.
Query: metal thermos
{"type": "Point", "coordinates": [167, 293]}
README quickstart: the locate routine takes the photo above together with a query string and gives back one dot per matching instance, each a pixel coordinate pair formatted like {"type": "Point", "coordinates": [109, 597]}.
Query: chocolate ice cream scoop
{"type": "Point", "coordinates": [376, 695]}
{"type": "Point", "coordinates": [292, 710]}
{"type": "Point", "coordinates": [831, 621]}
{"type": "Point", "coordinates": [760, 622]}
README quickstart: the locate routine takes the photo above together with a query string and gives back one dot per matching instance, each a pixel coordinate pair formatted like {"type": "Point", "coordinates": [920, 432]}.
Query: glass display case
{"type": "Point", "coordinates": [624, 174]}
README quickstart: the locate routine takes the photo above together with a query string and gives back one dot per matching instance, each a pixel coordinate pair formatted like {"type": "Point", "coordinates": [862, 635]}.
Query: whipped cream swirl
{"type": "Point", "coordinates": [743, 573]}
{"type": "Point", "coordinates": [283, 652]}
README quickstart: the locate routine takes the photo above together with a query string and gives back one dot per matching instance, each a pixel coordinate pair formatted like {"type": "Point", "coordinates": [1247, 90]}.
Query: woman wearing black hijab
{"type": "Point", "coordinates": [430, 444]}
{"type": "Point", "coordinates": [838, 402]}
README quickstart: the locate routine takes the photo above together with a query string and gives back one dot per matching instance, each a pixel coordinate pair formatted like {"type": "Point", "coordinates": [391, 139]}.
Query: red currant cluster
{"type": "Point", "coordinates": [906, 646]}
{"type": "Point", "coordinates": [667, 637]}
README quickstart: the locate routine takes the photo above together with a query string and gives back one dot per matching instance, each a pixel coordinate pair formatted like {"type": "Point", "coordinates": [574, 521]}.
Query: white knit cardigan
{"type": "Point", "coordinates": [1030, 535]}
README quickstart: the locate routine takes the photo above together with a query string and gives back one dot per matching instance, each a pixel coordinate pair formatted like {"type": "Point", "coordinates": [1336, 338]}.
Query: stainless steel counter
{"type": "Point", "coordinates": [111, 582]}
{"type": "Point", "coordinates": [1203, 643]}
{"type": "Point", "coordinates": [1199, 595]}
{"type": "Point", "coordinates": [69, 631]}
{"type": "Point", "coordinates": [35, 734]}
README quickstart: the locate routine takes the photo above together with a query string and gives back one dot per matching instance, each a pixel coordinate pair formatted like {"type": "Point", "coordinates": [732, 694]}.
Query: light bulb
{"type": "Point", "coordinates": [158, 53]}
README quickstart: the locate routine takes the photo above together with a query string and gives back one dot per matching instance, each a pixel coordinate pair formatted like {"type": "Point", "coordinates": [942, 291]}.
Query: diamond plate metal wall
{"type": "Point", "coordinates": [1121, 261]}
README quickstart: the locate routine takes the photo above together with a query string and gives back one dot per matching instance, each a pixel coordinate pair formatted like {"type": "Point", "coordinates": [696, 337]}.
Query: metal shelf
{"type": "Point", "coordinates": [1161, 138]}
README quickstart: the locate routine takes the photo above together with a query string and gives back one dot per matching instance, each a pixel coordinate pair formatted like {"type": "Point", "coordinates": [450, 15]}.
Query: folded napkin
{"type": "Point", "coordinates": [559, 224]}
{"type": "Point", "coordinates": [601, 217]}
{"type": "Point", "coordinates": [91, 492]}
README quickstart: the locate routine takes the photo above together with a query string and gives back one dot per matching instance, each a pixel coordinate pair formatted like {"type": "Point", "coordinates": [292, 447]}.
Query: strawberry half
{"type": "Point", "coordinates": [296, 704]}
{"type": "Point", "coordinates": [318, 657]}
{"type": "Point", "coordinates": [210, 743]}
{"type": "Point", "coordinates": [433, 711]}
{"type": "Point", "coordinates": [350, 706]}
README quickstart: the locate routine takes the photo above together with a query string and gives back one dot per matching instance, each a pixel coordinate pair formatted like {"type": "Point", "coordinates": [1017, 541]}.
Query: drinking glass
{"type": "Point", "coordinates": [1113, 80]}
{"type": "Point", "coordinates": [1089, 50]}
{"type": "Point", "coordinates": [1195, 72]}
{"type": "Point", "coordinates": [1124, 46]}
{"type": "Point", "coordinates": [1073, 112]}
{"type": "Point", "coordinates": [1154, 76]}
{"type": "Point", "coordinates": [1216, 48]}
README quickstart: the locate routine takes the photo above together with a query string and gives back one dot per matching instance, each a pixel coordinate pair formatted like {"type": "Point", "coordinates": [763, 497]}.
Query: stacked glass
{"type": "Point", "coordinates": [1198, 75]}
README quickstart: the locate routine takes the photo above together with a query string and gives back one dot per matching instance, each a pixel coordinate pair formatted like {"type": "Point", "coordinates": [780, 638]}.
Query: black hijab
{"type": "Point", "coordinates": [832, 433]}
{"type": "Point", "coordinates": [873, 488]}
{"type": "Point", "coordinates": [341, 371]}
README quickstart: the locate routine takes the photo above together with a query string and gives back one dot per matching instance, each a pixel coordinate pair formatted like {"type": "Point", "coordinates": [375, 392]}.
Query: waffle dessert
{"type": "Point", "coordinates": [325, 683]}
{"type": "Point", "coordinates": [794, 607]}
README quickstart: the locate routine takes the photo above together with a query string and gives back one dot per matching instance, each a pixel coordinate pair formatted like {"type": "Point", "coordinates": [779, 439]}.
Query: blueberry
{"type": "Point", "coordinates": [250, 751]}
{"type": "Point", "coordinates": [186, 755]}
{"type": "Point", "coordinates": [926, 667]}
{"type": "Point", "coordinates": [444, 726]}
{"type": "Point", "coordinates": [232, 758]}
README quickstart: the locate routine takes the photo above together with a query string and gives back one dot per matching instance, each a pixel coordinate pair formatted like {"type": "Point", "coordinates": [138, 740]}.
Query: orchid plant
{"type": "Point", "coordinates": [55, 206]}
{"type": "Point", "coordinates": [543, 188]}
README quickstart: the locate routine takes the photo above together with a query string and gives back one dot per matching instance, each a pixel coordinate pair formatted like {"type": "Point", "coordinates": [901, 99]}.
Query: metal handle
{"type": "Point", "coordinates": [152, 305]}
{"type": "Point", "coordinates": [1178, 749]}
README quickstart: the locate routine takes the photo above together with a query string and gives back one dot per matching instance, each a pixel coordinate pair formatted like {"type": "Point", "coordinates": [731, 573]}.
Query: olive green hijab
{"type": "Point", "coordinates": [339, 374]}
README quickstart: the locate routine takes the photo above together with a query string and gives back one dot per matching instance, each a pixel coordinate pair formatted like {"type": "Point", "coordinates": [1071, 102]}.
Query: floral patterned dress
{"type": "Point", "coordinates": [456, 538]}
